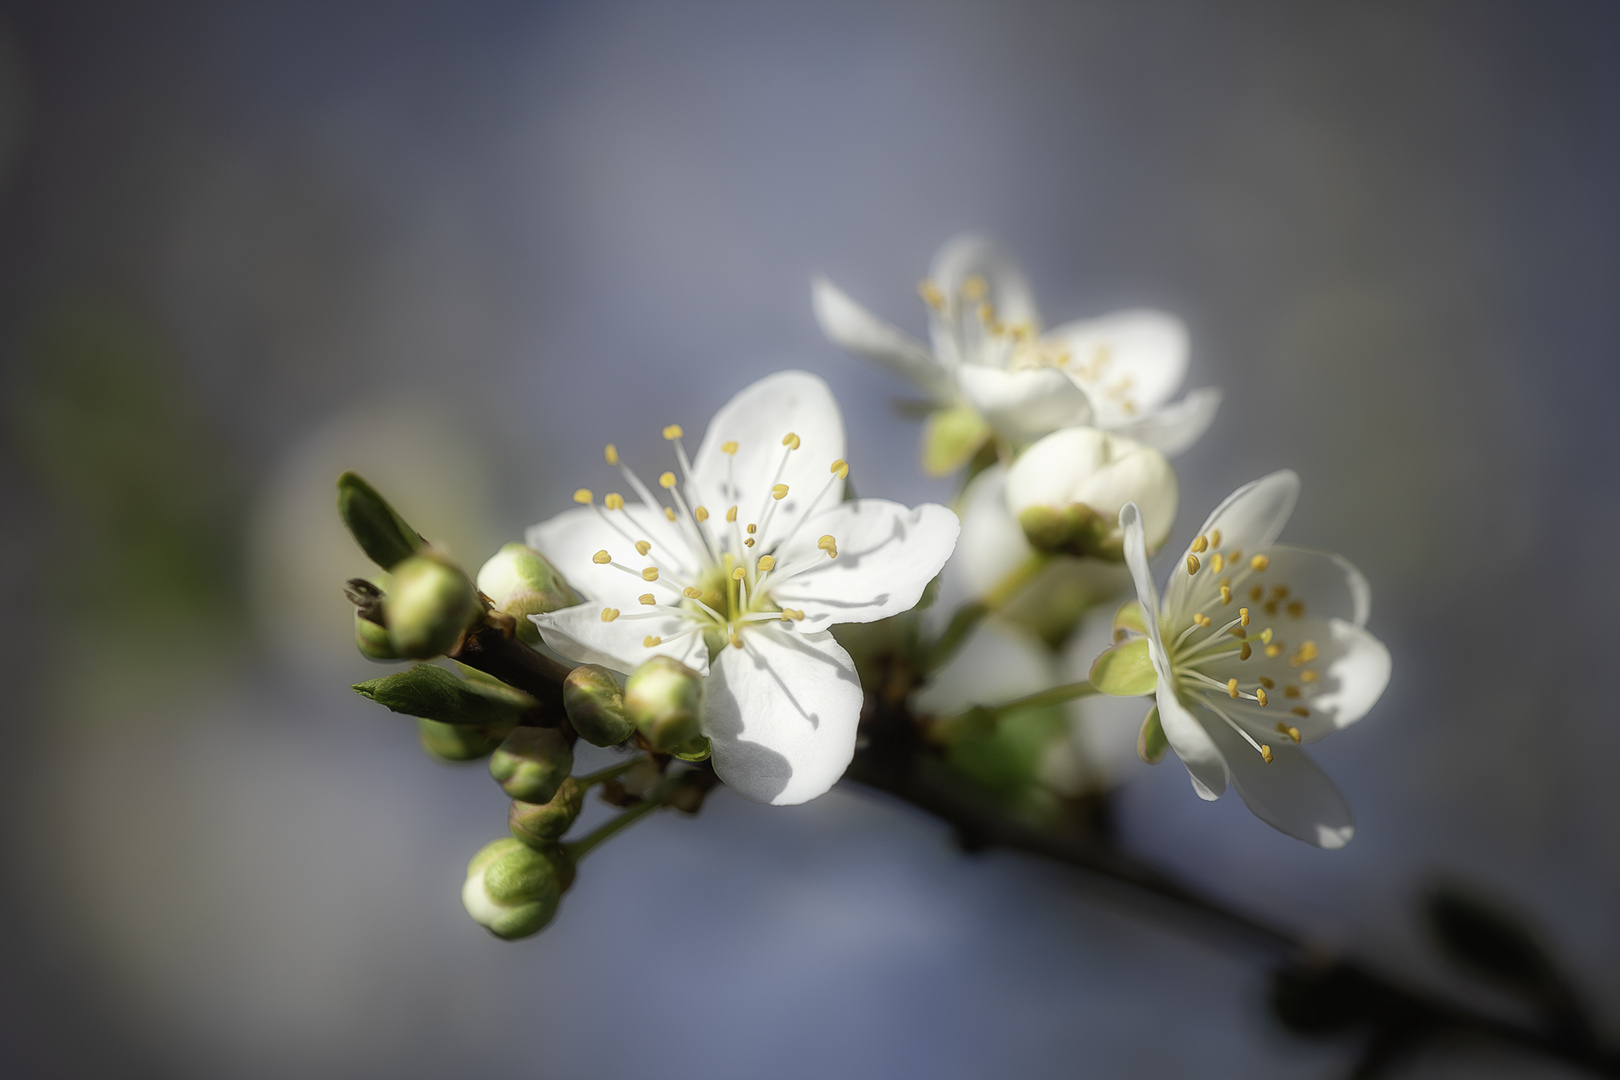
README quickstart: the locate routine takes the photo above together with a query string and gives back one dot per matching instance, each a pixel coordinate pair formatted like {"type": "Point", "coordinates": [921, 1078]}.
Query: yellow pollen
{"type": "Point", "coordinates": [1274, 650]}
{"type": "Point", "coordinates": [673, 432]}
{"type": "Point", "coordinates": [701, 513]}
{"type": "Point", "coordinates": [1269, 684]}
{"type": "Point", "coordinates": [1231, 687]}
{"type": "Point", "coordinates": [1259, 563]}
{"type": "Point", "coordinates": [1300, 711]}
{"type": "Point", "coordinates": [1217, 562]}
{"type": "Point", "coordinates": [1265, 635]}
{"type": "Point", "coordinates": [1296, 609]}
{"type": "Point", "coordinates": [731, 513]}
{"type": "Point", "coordinates": [669, 513]}
{"type": "Point", "coordinates": [583, 496]}
{"type": "Point", "coordinates": [1290, 691]}
{"type": "Point", "coordinates": [1260, 696]}
{"type": "Point", "coordinates": [841, 467]}
{"type": "Point", "coordinates": [1265, 753]}
{"type": "Point", "coordinates": [648, 599]}
{"type": "Point", "coordinates": [642, 547]}
{"type": "Point", "coordinates": [1234, 556]}
{"type": "Point", "coordinates": [1307, 652]}
{"type": "Point", "coordinates": [1289, 730]}
{"type": "Point", "coordinates": [601, 558]}
{"type": "Point", "coordinates": [1215, 538]}
{"type": "Point", "coordinates": [1245, 652]}
{"type": "Point", "coordinates": [1307, 676]}
{"type": "Point", "coordinates": [779, 492]}
{"type": "Point", "coordinates": [749, 542]}
{"type": "Point", "coordinates": [1201, 544]}
{"type": "Point", "coordinates": [667, 480]}
{"type": "Point", "coordinates": [650, 574]}
{"type": "Point", "coordinates": [1226, 592]}
{"type": "Point", "coordinates": [1192, 565]}
{"type": "Point", "coordinates": [829, 545]}
{"type": "Point", "coordinates": [791, 441]}
{"type": "Point", "coordinates": [930, 293]}
{"type": "Point", "coordinates": [690, 593]}
{"type": "Point", "coordinates": [650, 641]}
{"type": "Point", "coordinates": [611, 452]}
{"type": "Point", "coordinates": [609, 614]}
{"type": "Point", "coordinates": [1243, 616]}
{"type": "Point", "coordinates": [767, 562]}
{"type": "Point", "coordinates": [613, 501]}
{"type": "Point", "coordinates": [728, 447]}
{"type": "Point", "coordinates": [974, 287]}
{"type": "Point", "coordinates": [751, 528]}
{"type": "Point", "coordinates": [738, 574]}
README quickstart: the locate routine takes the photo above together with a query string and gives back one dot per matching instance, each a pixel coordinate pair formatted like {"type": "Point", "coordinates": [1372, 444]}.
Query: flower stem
{"type": "Point", "coordinates": [590, 780]}
{"type": "Point", "coordinates": [1057, 695]}
{"type": "Point", "coordinates": [608, 829]}
{"type": "Point", "coordinates": [1005, 589]}
{"type": "Point", "coordinates": [969, 615]}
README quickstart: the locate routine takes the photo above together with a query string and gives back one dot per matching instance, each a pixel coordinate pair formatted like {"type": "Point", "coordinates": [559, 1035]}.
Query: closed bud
{"type": "Point", "coordinates": [372, 639]}
{"type": "Point", "coordinates": [511, 889]}
{"type": "Point", "coordinates": [429, 605]}
{"type": "Point", "coordinates": [541, 825]}
{"type": "Point", "coordinates": [664, 699]}
{"type": "Point", "coordinates": [520, 582]}
{"type": "Point", "coordinates": [532, 763]}
{"type": "Point", "coordinates": [455, 742]}
{"type": "Point", "coordinates": [1068, 488]}
{"type": "Point", "coordinates": [595, 706]}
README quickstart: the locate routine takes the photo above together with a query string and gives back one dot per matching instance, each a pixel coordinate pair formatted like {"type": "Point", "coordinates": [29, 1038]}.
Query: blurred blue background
{"type": "Point", "coordinates": [459, 247]}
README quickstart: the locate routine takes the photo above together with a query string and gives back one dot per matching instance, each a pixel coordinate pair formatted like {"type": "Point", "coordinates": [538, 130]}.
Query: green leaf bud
{"type": "Point", "coordinates": [429, 606]}
{"type": "Point", "coordinates": [541, 825]}
{"type": "Point", "coordinates": [432, 692]}
{"type": "Point", "coordinates": [1125, 670]}
{"type": "Point", "coordinates": [381, 533]}
{"type": "Point", "coordinates": [520, 582]}
{"type": "Point", "coordinates": [664, 699]}
{"type": "Point", "coordinates": [455, 742]}
{"type": "Point", "coordinates": [372, 640]}
{"type": "Point", "coordinates": [511, 889]}
{"type": "Point", "coordinates": [595, 706]}
{"type": "Point", "coordinates": [532, 763]}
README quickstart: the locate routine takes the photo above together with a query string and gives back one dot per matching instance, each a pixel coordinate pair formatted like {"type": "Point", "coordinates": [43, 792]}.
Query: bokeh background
{"type": "Point", "coordinates": [458, 247]}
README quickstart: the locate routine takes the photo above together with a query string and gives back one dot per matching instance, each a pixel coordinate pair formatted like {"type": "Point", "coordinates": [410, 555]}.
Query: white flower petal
{"type": "Point", "coordinates": [580, 635]}
{"type": "Point", "coordinates": [782, 712]}
{"type": "Point", "coordinates": [1136, 356]}
{"type": "Point", "coordinates": [1327, 583]}
{"type": "Point", "coordinates": [1351, 670]}
{"type": "Point", "coordinates": [1173, 428]}
{"type": "Point", "coordinates": [1248, 520]}
{"type": "Point", "coordinates": [1100, 469]}
{"type": "Point", "coordinates": [1147, 594]}
{"type": "Point", "coordinates": [887, 555]}
{"type": "Point", "coordinates": [997, 663]}
{"type": "Point", "coordinates": [1291, 793]}
{"type": "Point", "coordinates": [991, 545]}
{"type": "Point", "coordinates": [570, 539]}
{"type": "Point", "coordinates": [757, 420]}
{"type": "Point", "coordinates": [851, 326]}
{"type": "Point", "coordinates": [1192, 742]}
{"type": "Point", "coordinates": [1007, 288]}
{"type": "Point", "coordinates": [1024, 405]}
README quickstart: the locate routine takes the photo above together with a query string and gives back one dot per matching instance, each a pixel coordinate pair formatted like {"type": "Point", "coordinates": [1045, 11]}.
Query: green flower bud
{"type": "Point", "coordinates": [429, 606]}
{"type": "Point", "coordinates": [1067, 490]}
{"type": "Point", "coordinates": [456, 742]}
{"type": "Point", "coordinates": [381, 533]}
{"type": "Point", "coordinates": [541, 825]}
{"type": "Point", "coordinates": [664, 699]}
{"type": "Point", "coordinates": [532, 763]}
{"type": "Point", "coordinates": [373, 640]}
{"type": "Point", "coordinates": [1075, 529]}
{"type": "Point", "coordinates": [695, 749]}
{"type": "Point", "coordinates": [520, 582]}
{"type": "Point", "coordinates": [595, 706]}
{"type": "Point", "coordinates": [512, 890]}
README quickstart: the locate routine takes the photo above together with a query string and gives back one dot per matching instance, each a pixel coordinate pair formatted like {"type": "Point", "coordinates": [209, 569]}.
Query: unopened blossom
{"type": "Point", "coordinates": [1257, 648]}
{"type": "Point", "coordinates": [990, 359]}
{"type": "Point", "coordinates": [735, 563]}
{"type": "Point", "coordinates": [1072, 484]}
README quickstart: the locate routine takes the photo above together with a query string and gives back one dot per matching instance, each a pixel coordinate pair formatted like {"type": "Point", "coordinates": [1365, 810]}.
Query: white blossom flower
{"type": "Point", "coordinates": [1258, 647]}
{"type": "Point", "coordinates": [1097, 472]}
{"type": "Point", "coordinates": [990, 357]}
{"type": "Point", "coordinates": [740, 574]}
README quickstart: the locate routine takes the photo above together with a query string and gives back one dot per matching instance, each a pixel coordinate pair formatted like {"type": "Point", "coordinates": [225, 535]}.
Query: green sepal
{"type": "Point", "coordinates": [532, 763]}
{"type": "Point", "coordinates": [540, 825]}
{"type": "Point", "coordinates": [950, 439]}
{"type": "Point", "coordinates": [1129, 617]}
{"type": "Point", "coordinates": [1125, 670]}
{"type": "Point", "coordinates": [379, 530]}
{"type": "Point", "coordinates": [1150, 741]}
{"type": "Point", "coordinates": [434, 694]}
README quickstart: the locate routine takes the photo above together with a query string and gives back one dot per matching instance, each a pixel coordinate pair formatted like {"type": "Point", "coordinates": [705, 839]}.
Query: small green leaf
{"type": "Point", "coordinates": [379, 530]}
{"type": "Point", "coordinates": [1129, 617]}
{"type": "Point", "coordinates": [950, 439]}
{"type": "Point", "coordinates": [1126, 670]}
{"type": "Point", "coordinates": [1150, 741]}
{"type": "Point", "coordinates": [434, 694]}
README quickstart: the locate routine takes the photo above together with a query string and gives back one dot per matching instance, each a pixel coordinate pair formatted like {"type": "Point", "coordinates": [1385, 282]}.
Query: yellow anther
{"type": "Point", "coordinates": [611, 452]}
{"type": "Point", "coordinates": [613, 501]}
{"type": "Point", "coordinates": [701, 513]}
{"type": "Point", "coordinates": [1274, 650]}
{"type": "Point", "coordinates": [1307, 676]}
{"type": "Point", "coordinates": [1204, 621]}
{"type": "Point", "coordinates": [1260, 696]}
{"type": "Point", "coordinates": [1245, 652]}
{"type": "Point", "coordinates": [930, 293]}
{"type": "Point", "coordinates": [1201, 544]}
{"type": "Point", "coordinates": [974, 287]}
{"type": "Point", "coordinates": [793, 614]}
{"type": "Point", "coordinates": [650, 574]}
{"type": "Point", "coordinates": [1231, 687]}
{"type": "Point", "coordinates": [829, 545]}
{"type": "Point", "coordinates": [1290, 691]}
{"type": "Point", "coordinates": [1192, 565]}
{"type": "Point", "coordinates": [1265, 635]}
{"type": "Point", "coordinates": [667, 480]}
{"type": "Point", "coordinates": [1307, 652]}
{"type": "Point", "coordinates": [1269, 684]}
{"type": "Point", "coordinates": [1226, 592]}
{"type": "Point", "coordinates": [648, 599]}
{"type": "Point", "coordinates": [767, 562]}
{"type": "Point", "coordinates": [1243, 616]}
{"type": "Point", "coordinates": [669, 513]}
{"type": "Point", "coordinates": [651, 641]}
{"type": "Point", "coordinates": [841, 467]}
{"type": "Point", "coordinates": [1289, 730]}
{"type": "Point", "coordinates": [1238, 632]}
{"type": "Point", "coordinates": [673, 432]}
{"type": "Point", "coordinates": [1300, 711]}
{"type": "Point", "coordinates": [1217, 562]}
{"type": "Point", "coordinates": [583, 496]}
{"type": "Point", "coordinates": [791, 441]}
{"type": "Point", "coordinates": [738, 574]}
{"type": "Point", "coordinates": [752, 528]}
{"type": "Point", "coordinates": [601, 558]}
{"type": "Point", "coordinates": [728, 447]}
{"type": "Point", "coordinates": [779, 492]}
{"type": "Point", "coordinates": [731, 513]}
{"type": "Point", "coordinates": [748, 541]}
{"type": "Point", "coordinates": [690, 593]}
{"type": "Point", "coordinates": [1259, 563]}
{"type": "Point", "coordinates": [736, 641]}
{"type": "Point", "coordinates": [609, 614]}
{"type": "Point", "coordinates": [1296, 609]}
{"type": "Point", "coordinates": [1215, 538]}
{"type": "Point", "coordinates": [1265, 753]}
{"type": "Point", "coordinates": [642, 547]}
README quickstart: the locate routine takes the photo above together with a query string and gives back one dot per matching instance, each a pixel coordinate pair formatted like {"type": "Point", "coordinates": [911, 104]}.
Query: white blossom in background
{"type": "Point", "coordinates": [738, 572]}
{"type": "Point", "coordinates": [1100, 472]}
{"type": "Point", "coordinates": [990, 359]}
{"type": "Point", "coordinates": [1257, 648]}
